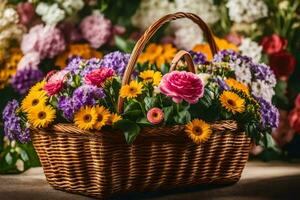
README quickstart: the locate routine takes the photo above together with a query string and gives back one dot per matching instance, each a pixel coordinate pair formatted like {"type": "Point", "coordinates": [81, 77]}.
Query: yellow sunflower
{"type": "Point", "coordinates": [32, 100]}
{"type": "Point", "coordinates": [102, 117]}
{"type": "Point", "coordinates": [232, 83]}
{"type": "Point", "coordinates": [41, 116]}
{"type": "Point", "coordinates": [232, 102]}
{"type": "Point", "coordinates": [198, 130]}
{"type": "Point", "coordinates": [38, 87]}
{"type": "Point", "coordinates": [131, 90]}
{"type": "Point", "coordinates": [113, 118]}
{"type": "Point", "coordinates": [85, 118]}
{"type": "Point", "coordinates": [150, 76]}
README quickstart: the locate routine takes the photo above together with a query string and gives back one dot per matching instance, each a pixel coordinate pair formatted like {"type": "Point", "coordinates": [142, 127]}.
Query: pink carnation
{"type": "Point", "coordinates": [182, 86]}
{"type": "Point", "coordinates": [96, 29]}
{"type": "Point", "coordinates": [30, 60]}
{"type": "Point", "coordinates": [26, 12]}
{"type": "Point", "coordinates": [155, 115]}
{"type": "Point", "coordinates": [48, 41]}
{"type": "Point", "coordinates": [98, 76]}
{"type": "Point", "coordinates": [55, 82]}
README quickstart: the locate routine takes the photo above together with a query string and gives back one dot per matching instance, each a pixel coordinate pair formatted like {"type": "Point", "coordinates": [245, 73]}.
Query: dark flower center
{"type": "Point", "coordinates": [87, 118]}
{"type": "Point", "coordinates": [198, 130]}
{"type": "Point", "coordinates": [231, 102]}
{"type": "Point", "coordinates": [99, 118]}
{"type": "Point", "coordinates": [42, 115]}
{"type": "Point", "coordinates": [132, 89]}
{"type": "Point", "coordinates": [35, 102]}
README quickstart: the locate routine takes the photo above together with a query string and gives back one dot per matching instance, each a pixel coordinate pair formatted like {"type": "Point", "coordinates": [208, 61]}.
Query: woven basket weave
{"type": "Point", "coordinates": [100, 164]}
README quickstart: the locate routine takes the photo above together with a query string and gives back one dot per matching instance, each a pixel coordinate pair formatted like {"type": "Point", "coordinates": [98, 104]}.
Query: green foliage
{"type": "Point", "coordinates": [130, 129]}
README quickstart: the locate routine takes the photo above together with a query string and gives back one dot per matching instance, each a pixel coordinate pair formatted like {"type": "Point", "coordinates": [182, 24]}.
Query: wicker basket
{"type": "Point", "coordinates": [100, 164]}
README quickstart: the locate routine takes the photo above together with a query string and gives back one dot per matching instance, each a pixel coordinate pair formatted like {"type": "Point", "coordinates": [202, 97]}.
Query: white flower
{"type": "Point", "coordinates": [71, 6]}
{"type": "Point", "coordinates": [187, 36]}
{"type": "Point", "coordinates": [51, 14]}
{"type": "Point", "coordinates": [262, 89]}
{"type": "Point", "coordinates": [251, 49]}
{"type": "Point", "coordinates": [246, 10]}
{"type": "Point", "coordinates": [204, 77]}
{"type": "Point", "coordinates": [20, 165]}
{"type": "Point", "coordinates": [243, 73]}
{"type": "Point", "coordinates": [8, 16]}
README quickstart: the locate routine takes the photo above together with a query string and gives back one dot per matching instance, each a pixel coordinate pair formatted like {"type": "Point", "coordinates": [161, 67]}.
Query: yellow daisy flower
{"type": "Point", "coordinates": [41, 116]}
{"type": "Point", "coordinates": [102, 117]}
{"type": "Point", "coordinates": [113, 118]}
{"type": "Point", "coordinates": [232, 102]}
{"type": "Point", "coordinates": [198, 130]}
{"type": "Point", "coordinates": [131, 90]}
{"type": "Point", "coordinates": [85, 118]}
{"type": "Point", "coordinates": [232, 83]}
{"type": "Point", "coordinates": [32, 100]}
{"type": "Point", "coordinates": [38, 87]}
{"type": "Point", "coordinates": [150, 76]}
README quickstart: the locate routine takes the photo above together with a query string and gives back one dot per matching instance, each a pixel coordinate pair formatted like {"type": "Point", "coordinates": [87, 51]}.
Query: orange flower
{"type": "Point", "coordinates": [221, 43]}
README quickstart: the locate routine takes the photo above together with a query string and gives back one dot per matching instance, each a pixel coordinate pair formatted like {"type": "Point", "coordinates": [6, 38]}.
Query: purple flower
{"type": "Point", "coordinates": [24, 79]}
{"type": "Point", "coordinates": [117, 61]}
{"type": "Point", "coordinates": [269, 114]}
{"type": "Point", "coordinates": [227, 55]}
{"type": "Point", "coordinates": [82, 96]}
{"type": "Point", "coordinates": [74, 64]}
{"type": "Point", "coordinates": [12, 123]}
{"type": "Point", "coordinates": [223, 85]}
{"type": "Point", "coordinates": [263, 72]}
{"type": "Point", "coordinates": [90, 65]}
{"type": "Point", "coordinates": [198, 58]}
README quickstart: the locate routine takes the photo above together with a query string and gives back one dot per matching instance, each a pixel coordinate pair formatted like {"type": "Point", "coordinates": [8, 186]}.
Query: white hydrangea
{"type": "Point", "coordinates": [71, 6]}
{"type": "Point", "coordinates": [243, 73]}
{"type": "Point", "coordinates": [251, 49]}
{"type": "Point", "coordinates": [187, 33]}
{"type": "Point", "coordinates": [150, 11]}
{"type": "Point", "coordinates": [246, 11]}
{"type": "Point", "coordinates": [8, 16]}
{"type": "Point", "coordinates": [262, 89]}
{"type": "Point", "coordinates": [51, 14]}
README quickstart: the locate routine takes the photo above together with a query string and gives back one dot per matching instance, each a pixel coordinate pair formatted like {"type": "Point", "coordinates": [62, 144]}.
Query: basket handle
{"type": "Point", "coordinates": [140, 45]}
{"type": "Point", "coordinates": [188, 59]}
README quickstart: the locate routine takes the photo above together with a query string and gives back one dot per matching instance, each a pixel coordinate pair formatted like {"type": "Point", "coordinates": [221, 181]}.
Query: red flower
{"type": "Point", "coordinates": [273, 44]}
{"type": "Point", "coordinates": [55, 82]}
{"type": "Point", "coordinates": [282, 63]}
{"type": "Point", "coordinates": [294, 119]}
{"type": "Point", "coordinates": [297, 102]}
{"type": "Point", "coordinates": [98, 76]}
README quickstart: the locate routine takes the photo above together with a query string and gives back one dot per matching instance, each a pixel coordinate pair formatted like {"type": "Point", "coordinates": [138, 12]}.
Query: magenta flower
{"type": "Point", "coordinates": [96, 29]}
{"type": "Point", "coordinates": [155, 115]}
{"type": "Point", "coordinates": [55, 82]}
{"type": "Point", "coordinates": [182, 86]}
{"type": "Point", "coordinates": [98, 76]}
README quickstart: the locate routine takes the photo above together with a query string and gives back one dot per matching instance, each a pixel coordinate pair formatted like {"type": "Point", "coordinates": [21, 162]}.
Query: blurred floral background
{"type": "Point", "coordinates": [36, 35]}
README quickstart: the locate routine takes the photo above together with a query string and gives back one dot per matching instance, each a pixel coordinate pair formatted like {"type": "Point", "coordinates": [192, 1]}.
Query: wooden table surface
{"type": "Point", "coordinates": [260, 180]}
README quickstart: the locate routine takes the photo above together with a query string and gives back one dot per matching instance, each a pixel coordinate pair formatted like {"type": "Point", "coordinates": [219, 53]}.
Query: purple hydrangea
{"type": "Point", "coordinates": [269, 114]}
{"type": "Point", "coordinates": [82, 96]}
{"type": "Point", "coordinates": [12, 123]}
{"type": "Point", "coordinates": [24, 79]}
{"type": "Point", "coordinates": [117, 61]}
{"type": "Point", "coordinates": [74, 64]}
{"type": "Point", "coordinates": [198, 58]}
{"type": "Point", "coordinates": [263, 72]}
{"type": "Point", "coordinates": [226, 55]}
{"type": "Point", "coordinates": [90, 65]}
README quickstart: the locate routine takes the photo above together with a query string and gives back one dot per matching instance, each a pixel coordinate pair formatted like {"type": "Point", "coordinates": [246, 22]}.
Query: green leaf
{"type": "Point", "coordinates": [129, 128]}
{"type": "Point", "coordinates": [132, 105]}
{"type": "Point", "coordinates": [24, 155]}
{"type": "Point", "coordinates": [149, 102]}
{"type": "Point", "coordinates": [183, 117]}
{"type": "Point", "coordinates": [168, 113]}
{"type": "Point", "coordinates": [143, 121]}
{"type": "Point", "coordinates": [133, 114]}
{"type": "Point", "coordinates": [9, 159]}
{"type": "Point", "coordinates": [165, 68]}
{"type": "Point", "coordinates": [125, 45]}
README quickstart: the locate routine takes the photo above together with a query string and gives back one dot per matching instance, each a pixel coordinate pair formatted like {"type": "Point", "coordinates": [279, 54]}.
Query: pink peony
{"type": "Point", "coordinates": [96, 29]}
{"type": "Point", "coordinates": [155, 115]}
{"type": "Point", "coordinates": [55, 82]}
{"type": "Point", "coordinates": [26, 12]}
{"type": "Point", "coordinates": [98, 76]}
{"type": "Point", "coordinates": [182, 86]}
{"type": "Point", "coordinates": [30, 60]}
{"type": "Point", "coordinates": [48, 41]}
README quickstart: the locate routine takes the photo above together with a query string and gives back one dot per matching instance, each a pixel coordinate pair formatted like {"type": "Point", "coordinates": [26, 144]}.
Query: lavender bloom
{"type": "Point", "coordinates": [12, 123]}
{"type": "Point", "coordinates": [117, 61]}
{"type": "Point", "coordinates": [198, 58]}
{"type": "Point", "coordinates": [227, 55]}
{"type": "Point", "coordinates": [74, 64]}
{"type": "Point", "coordinates": [223, 85]}
{"type": "Point", "coordinates": [90, 65]}
{"type": "Point", "coordinates": [82, 96]}
{"type": "Point", "coordinates": [269, 114]}
{"type": "Point", "coordinates": [263, 72]}
{"type": "Point", "coordinates": [25, 79]}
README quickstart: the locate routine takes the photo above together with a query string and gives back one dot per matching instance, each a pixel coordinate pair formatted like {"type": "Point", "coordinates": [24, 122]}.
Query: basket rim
{"type": "Point", "coordinates": [219, 126]}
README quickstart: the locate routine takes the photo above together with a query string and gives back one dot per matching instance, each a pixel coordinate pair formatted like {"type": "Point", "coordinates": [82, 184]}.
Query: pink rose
{"type": "Point", "coordinates": [98, 76]}
{"type": "Point", "coordinates": [294, 119]}
{"type": "Point", "coordinates": [182, 86]}
{"type": "Point", "coordinates": [55, 82]}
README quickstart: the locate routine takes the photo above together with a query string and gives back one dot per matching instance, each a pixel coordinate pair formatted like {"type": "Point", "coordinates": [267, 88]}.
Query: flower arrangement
{"type": "Point", "coordinates": [86, 91]}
